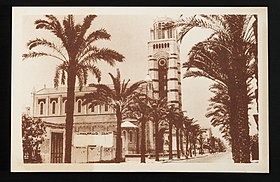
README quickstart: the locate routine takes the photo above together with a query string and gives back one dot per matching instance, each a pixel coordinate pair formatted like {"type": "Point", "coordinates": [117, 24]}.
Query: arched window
{"type": "Point", "coordinates": [92, 108]}
{"type": "Point", "coordinates": [53, 107]}
{"type": "Point", "coordinates": [164, 45]}
{"type": "Point", "coordinates": [41, 108]}
{"type": "Point", "coordinates": [159, 45]}
{"type": "Point", "coordinates": [167, 44]}
{"type": "Point", "coordinates": [106, 107]}
{"type": "Point", "coordinates": [79, 106]}
{"type": "Point", "coordinates": [159, 31]}
{"type": "Point", "coordinates": [156, 46]}
{"type": "Point", "coordinates": [169, 33]}
{"type": "Point", "coordinates": [65, 106]}
{"type": "Point", "coordinates": [130, 136]}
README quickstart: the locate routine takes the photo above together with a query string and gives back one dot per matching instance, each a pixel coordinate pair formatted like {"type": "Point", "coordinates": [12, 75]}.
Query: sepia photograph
{"type": "Point", "coordinates": [139, 89]}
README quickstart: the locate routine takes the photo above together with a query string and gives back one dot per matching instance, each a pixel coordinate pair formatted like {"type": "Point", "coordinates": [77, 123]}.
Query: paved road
{"type": "Point", "coordinates": [223, 157]}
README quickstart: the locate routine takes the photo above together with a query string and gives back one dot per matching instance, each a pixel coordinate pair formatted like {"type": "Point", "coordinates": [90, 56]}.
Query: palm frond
{"type": "Point", "coordinates": [54, 26]}
{"type": "Point", "coordinates": [70, 33]}
{"type": "Point", "coordinates": [117, 84]}
{"type": "Point", "coordinates": [43, 42]}
{"type": "Point", "coordinates": [95, 71]}
{"type": "Point", "coordinates": [39, 54]}
{"type": "Point", "coordinates": [97, 35]}
{"type": "Point", "coordinates": [104, 54]}
{"type": "Point", "coordinates": [133, 88]}
{"type": "Point", "coordinates": [60, 73]}
{"type": "Point", "coordinates": [82, 29]}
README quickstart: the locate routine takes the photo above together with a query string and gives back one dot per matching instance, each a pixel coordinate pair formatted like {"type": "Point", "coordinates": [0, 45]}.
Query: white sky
{"type": "Point", "coordinates": [129, 36]}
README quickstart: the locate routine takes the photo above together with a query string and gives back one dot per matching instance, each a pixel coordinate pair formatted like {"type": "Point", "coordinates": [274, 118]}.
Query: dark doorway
{"type": "Point", "coordinates": [161, 140]}
{"type": "Point", "coordinates": [56, 147]}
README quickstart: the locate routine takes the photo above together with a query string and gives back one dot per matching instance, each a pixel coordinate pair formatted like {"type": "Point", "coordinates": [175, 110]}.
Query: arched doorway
{"type": "Point", "coordinates": [161, 140]}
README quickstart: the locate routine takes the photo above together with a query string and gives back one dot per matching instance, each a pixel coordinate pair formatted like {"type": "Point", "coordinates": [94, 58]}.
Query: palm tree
{"type": "Point", "coordinates": [77, 54]}
{"type": "Point", "coordinates": [178, 123]}
{"type": "Point", "coordinates": [141, 110]}
{"type": "Point", "coordinates": [218, 109]}
{"type": "Point", "coordinates": [227, 57]}
{"type": "Point", "coordinates": [195, 131]}
{"type": "Point", "coordinates": [173, 116]}
{"type": "Point", "coordinates": [119, 97]}
{"type": "Point", "coordinates": [158, 115]}
{"type": "Point", "coordinates": [201, 141]}
{"type": "Point", "coordinates": [187, 123]}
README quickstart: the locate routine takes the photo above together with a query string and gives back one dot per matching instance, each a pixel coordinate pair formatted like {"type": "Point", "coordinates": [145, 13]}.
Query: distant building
{"type": "Point", "coordinates": [207, 134]}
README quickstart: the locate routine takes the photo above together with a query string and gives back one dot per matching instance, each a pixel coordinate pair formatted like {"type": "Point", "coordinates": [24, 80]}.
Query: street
{"type": "Point", "coordinates": [223, 157]}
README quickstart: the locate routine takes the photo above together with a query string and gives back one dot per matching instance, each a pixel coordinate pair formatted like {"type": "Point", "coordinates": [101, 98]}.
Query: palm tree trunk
{"type": "Point", "coordinates": [29, 155]}
{"type": "Point", "coordinates": [201, 147]}
{"type": "Point", "coordinates": [170, 140]}
{"type": "Point", "coordinates": [69, 114]}
{"type": "Point", "coordinates": [181, 142]}
{"type": "Point", "coordinates": [118, 137]}
{"type": "Point", "coordinates": [157, 141]}
{"type": "Point", "coordinates": [194, 147]}
{"type": "Point", "coordinates": [177, 143]}
{"type": "Point", "coordinates": [240, 130]}
{"type": "Point", "coordinates": [187, 145]}
{"type": "Point", "coordinates": [143, 143]}
{"type": "Point", "coordinates": [239, 127]}
{"type": "Point", "coordinates": [190, 148]}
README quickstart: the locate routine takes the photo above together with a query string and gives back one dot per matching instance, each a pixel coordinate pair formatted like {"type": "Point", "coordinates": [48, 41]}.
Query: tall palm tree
{"type": "Point", "coordinates": [218, 109]}
{"type": "Point", "coordinates": [172, 116]}
{"type": "Point", "coordinates": [141, 110]}
{"type": "Point", "coordinates": [158, 115]}
{"type": "Point", "coordinates": [195, 131]}
{"type": "Point", "coordinates": [178, 123]}
{"type": "Point", "coordinates": [201, 141]}
{"type": "Point", "coordinates": [77, 55]}
{"type": "Point", "coordinates": [119, 98]}
{"type": "Point", "coordinates": [226, 57]}
{"type": "Point", "coordinates": [187, 123]}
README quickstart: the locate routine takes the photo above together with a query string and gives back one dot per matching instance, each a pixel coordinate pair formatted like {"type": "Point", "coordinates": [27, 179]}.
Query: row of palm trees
{"type": "Point", "coordinates": [78, 55]}
{"type": "Point", "coordinates": [129, 101]}
{"type": "Point", "coordinates": [229, 57]}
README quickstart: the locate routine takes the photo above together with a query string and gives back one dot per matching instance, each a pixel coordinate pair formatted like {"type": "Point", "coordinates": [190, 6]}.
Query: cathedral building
{"type": "Point", "coordinates": [94, 128]}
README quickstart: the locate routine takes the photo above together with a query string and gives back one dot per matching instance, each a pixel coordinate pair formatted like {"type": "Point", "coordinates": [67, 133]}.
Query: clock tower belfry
{"type": "Point", "coordinates": [164, 61]}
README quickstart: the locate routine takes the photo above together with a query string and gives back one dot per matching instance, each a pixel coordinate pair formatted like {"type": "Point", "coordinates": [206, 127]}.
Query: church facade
{"type": "Point", "coordinates": [94, 128]}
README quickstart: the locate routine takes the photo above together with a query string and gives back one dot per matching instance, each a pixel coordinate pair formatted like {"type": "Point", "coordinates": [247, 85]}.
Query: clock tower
{"type": "Point", "coordinates": [164, 61]}
{"type": "Point", "coordinates": [164, 68]}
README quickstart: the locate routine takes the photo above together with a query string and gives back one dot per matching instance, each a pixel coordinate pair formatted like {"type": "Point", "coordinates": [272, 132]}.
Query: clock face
{"type": "Point", "coordinates": [162, 62]}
